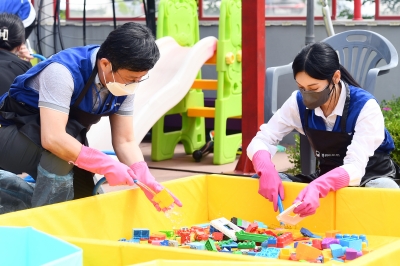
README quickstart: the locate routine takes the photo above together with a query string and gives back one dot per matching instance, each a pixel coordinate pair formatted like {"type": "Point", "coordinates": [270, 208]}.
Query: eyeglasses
{"type": "Point", "coordinates": [145, 77]}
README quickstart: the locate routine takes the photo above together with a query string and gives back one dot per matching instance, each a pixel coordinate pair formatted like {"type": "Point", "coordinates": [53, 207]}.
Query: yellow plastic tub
{"type": "Point", "coordinates": [96, 223]}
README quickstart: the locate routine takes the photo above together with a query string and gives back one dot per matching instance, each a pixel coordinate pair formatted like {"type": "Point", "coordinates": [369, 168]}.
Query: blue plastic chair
{"type": "Point", "coordinates": [360, 52]}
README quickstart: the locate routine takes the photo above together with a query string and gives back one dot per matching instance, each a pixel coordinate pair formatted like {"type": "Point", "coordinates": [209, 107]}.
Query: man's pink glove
{"type": "Point", "coordinates": [143, 174]}
{"type": "Point", "coordinates": [319, 188]}
{"type": "Point", "coordinates": [270, 184]}
{"type": "Point", "coordinates": [95, 161]}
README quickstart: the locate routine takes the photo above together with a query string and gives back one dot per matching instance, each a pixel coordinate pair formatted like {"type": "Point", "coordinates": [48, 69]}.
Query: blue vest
{"type": "Point", "coordinates": [77, 61]}
{"type": "Point", "coordinates": [358, 98]}
{"type": "Point", "coordinates": [21, 8]}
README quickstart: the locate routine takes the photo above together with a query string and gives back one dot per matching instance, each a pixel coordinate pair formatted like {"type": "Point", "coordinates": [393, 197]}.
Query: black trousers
{"type": "Point", "coordinates": [18, 154]}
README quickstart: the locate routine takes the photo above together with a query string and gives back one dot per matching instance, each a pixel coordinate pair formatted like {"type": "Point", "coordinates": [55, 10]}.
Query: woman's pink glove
{"type": "Point", "coordinates": [270, 184]}
{"type": "Point", "coordinates": [95, 161]}
{"type": "Point", "coordinates": [143, 174]}
{"type": "Point", "coordinates": [333, 180]}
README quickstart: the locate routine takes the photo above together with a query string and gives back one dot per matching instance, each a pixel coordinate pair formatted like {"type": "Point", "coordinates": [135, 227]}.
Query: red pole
{"type": "Point", "coordinates": [357, 10]}
{"type": "Point", "coordinates": [253, 76]}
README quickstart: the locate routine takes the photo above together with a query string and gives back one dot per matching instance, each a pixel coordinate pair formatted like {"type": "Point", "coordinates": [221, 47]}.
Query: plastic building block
{"type": "Point", "coordinates": [327, 254]}
{"type": "Point", "coordinates": [173, 243]}
{"type": "Point", "coordinates": [156, 236]}
{"type": "Point", "coordinates": [246, 245]}
{"type": "Point", "coordinates": [306, 252]}
{"type": "Point", "coordinates": [202, 236]}
{"type": "Point", "coordinates": [332, 233]}
{"type": "Point", "coordinates": [339, 236]}
{"type": "Point", "coordinates": [287, 216]}
{"type": "Point", "coordinates": [306, 232]}
{"type": "Point", "coordinates": [351, 243]}
{"type": "Point", "coordinates": [197, 245]}
{"type": "Point", "coordinates": [156, 242]}
{"type": "Point", "coordinates": [210, 245]}
{"type": "Point", "coordinates": [226, 227]}
{"type": "Point", "coordinates": [165, 243]}
{"type": "Point", "coordinates": [285, 254]}
{"type": "Point", "coordinates": [352, 254]}
{"type": "Point", "coordinates": [205, 225]}
{"type": "Point", "coordinates": [284, 240]}
{"type": "Point", "coordinates": [225, 250]}
{"type": "Point", "coordinates": [217, 236]}
{"type": "Point", "coordinates": [252, 228]}
{"type": "Point", "coordinates": [269, 253]}
{"type": "Point", "coordinates": [229, 244]}
{"type": "Point", "coordinates": [242, 235]}
{"type": "Point", "coordinates": [164, 199]}
{"type": "Point", "coordinates": [213, 229]}
{"type": "Point", "coordinates": [184, 237]}
{"type": "Point", "coordinates": [141, 233]}
{"type": "Point", "coordinates": [240, 222]}
{"type": "Point", "coordinates": [261, 224]}
{"type": "Point", "coordinates": [270, 233]}
{"type": "Point", "coordinates": [168, 233]}
{"type": "Point", "coordinates": [272, 242]}
{"type": "Point", "coordinates": [363, 239]}
{"type": "Point", "coordinates": [317, 243]}
{"type": "Point", "coordinates": [337, 250]}
{"type": "Point", "coordinates": [326, 242]}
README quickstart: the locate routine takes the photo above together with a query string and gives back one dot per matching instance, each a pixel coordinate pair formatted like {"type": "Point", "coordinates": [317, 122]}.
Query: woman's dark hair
{"type": "Point", "coordinates": [11, 24]}
{"type": "Point", "coordinates": [320, 61]}
{"type": "Point", "coordinates": [131, 46]}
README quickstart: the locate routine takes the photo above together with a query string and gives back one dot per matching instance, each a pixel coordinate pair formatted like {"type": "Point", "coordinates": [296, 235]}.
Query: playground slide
{"type": "Point", "coordinates": [169, 82]}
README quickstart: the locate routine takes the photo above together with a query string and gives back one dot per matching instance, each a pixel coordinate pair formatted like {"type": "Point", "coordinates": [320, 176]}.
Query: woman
{"type": "Point", "coordinates": [343, 123]}
{"type": "Point", "coordinates": [12, 38]}
{"type": "Point", "coordinates": [46, 113]}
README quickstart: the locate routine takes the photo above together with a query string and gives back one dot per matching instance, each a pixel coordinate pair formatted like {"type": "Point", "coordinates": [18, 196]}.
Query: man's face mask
{"type": "Point", "coordinates": [119, 89]}
{"type": "Point", "coordinates": [312, 99]}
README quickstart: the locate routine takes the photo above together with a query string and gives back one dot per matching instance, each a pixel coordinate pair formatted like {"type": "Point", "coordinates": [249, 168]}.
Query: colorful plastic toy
{"type": "Point", "coordinates": [287, 216]}
{"type": "Point", "coordinates": [226, 227]}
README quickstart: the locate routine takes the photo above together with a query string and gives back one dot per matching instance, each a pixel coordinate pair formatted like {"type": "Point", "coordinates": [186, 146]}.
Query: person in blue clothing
{"type": "Point", "coordinates": [343, 123]}
{"type": "Point", "coordinates": [12, 37]}
{"type": "Point", "coordinates": [46, 113]}
{"type": "Point", "coordinates": [26, 12]}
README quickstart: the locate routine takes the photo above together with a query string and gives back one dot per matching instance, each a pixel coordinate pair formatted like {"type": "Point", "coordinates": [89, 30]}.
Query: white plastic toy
{"type": "Point", "coordinates": [226, 227]}
{"type": "Point", "coordinates": [287, 216]}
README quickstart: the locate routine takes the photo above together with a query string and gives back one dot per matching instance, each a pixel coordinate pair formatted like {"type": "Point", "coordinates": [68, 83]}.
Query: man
{"type": "Point", "coordinates": [47, 112]}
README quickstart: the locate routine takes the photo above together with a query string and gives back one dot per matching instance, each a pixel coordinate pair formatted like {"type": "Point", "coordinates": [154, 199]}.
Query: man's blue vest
{"type": "Point", "coordinates": [77, 61]}
{"type": "Point", "coordinates": [358, 98]}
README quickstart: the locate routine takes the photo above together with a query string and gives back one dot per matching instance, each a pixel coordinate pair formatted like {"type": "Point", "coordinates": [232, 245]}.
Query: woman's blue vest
{"type": "Point", "coordinates": [358, 98]}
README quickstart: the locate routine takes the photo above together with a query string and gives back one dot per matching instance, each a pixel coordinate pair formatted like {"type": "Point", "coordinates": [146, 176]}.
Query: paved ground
{"type": "Point", "coordinates": [175, 167]}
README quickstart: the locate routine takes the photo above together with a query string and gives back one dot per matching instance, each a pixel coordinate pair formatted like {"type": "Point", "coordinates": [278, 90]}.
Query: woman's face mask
{"type": "Point", "coordinates": [119, 89]}
{"type": "Point", "coordinates": [312, 99]}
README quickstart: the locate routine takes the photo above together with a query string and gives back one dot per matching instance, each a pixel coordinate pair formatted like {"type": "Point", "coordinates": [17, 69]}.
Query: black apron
{"type": "Point", "coordinates": [330, 148]}
{"type": "Point", "coordinates": [27, 120]}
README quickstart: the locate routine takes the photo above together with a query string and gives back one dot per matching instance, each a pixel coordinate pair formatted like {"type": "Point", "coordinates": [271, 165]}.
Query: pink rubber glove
{"type": "Point", "coordinates": [143, 174]}
{"type": "Point", "coordinates": [95, 161]}
{"type": "Point", "coordinates": [270, 184]}
{"type": "Point", "coordinates": [333, 180]}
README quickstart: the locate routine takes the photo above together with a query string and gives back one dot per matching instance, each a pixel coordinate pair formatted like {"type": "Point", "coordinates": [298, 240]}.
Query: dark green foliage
{"type": "Point", "coordinates": [294, 156]}
{"type": "Point", "coordinates": [391, 113]}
